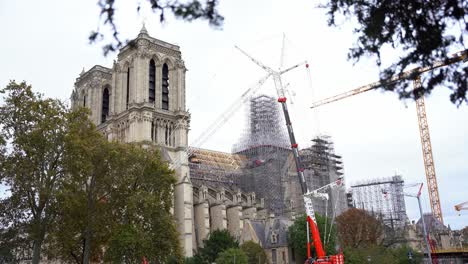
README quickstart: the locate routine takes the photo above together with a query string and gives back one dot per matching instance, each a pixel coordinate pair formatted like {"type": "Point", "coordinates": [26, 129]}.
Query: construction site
{"type": "Point", "coordinates": [266, 161]}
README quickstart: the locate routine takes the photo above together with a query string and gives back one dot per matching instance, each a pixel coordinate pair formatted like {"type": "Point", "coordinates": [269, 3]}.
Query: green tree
{"type": "Point", "coordinates": [380, 254]}
{"type": "Point", "coordinates": [118, 197]}
{"type": "Point", "coordinates": [297, 235]}
{"type": "Point", "coordinates": [232, 256]}
{"type": "Point", "coordinates": [217, 242]}
{"type": "Point", "coordinates": [145, 199]}
{"type": "Point", "coordinates": [34, 130]}
{"type": "Point", "coordinates": [90, 163]}
{"type": "Point", "coordinates": [255, 253]}
{"type": "Point", "coordinates": [421, 31]}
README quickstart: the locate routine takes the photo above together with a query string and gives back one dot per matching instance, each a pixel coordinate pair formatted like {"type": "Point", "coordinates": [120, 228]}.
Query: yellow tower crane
{"type": "Point", "coordinates": [422, 119]}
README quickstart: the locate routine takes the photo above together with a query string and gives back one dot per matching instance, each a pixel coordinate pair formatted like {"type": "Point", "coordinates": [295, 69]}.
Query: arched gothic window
{"type": "Point", "coordinates": [128, 86]}
{"type": "Point", "coordinates": [152, 131]}
{"type": "Point", "coordinates": [105, 105]}
{"type": "Point", "coordinates": [84, 100]}
{"type": "Point", "coordinates": [165, 87]}
{"type": "Point", "coordinates": [152, 81]}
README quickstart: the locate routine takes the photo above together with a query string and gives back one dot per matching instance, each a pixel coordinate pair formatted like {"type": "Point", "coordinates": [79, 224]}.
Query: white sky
{"type": "Point", "coordinates": [45, 43]}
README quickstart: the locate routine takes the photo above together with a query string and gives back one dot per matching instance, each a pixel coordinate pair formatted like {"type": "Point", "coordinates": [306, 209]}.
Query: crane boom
{"type": "Point", "coordinates": [459, 56]}
{"type": "Point", "coordinates": [462, 206]}
{"type": "Point", "coordinates": [221, 120]}
{"type": "Point", "coordinates": [422, 119]}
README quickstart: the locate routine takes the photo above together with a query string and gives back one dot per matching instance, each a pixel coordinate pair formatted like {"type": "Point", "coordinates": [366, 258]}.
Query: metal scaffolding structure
{"type": "Point", "coordinates": [265, 126]}
{"type": "Point", "coordinates": [265, 145]}
{"type": "Point", "coordinates": [384, 197]}
{"type": "Point", "coordinates": [323, 166]}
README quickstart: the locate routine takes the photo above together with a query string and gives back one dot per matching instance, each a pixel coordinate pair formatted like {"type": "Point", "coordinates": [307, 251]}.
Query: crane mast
{"type": "Point", "coordinates": [422, 119]}
{"type": "Point", "coordinates": [312, 222]}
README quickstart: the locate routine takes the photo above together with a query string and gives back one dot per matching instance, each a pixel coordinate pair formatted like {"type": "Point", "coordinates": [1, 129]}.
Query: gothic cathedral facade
{"type": "Point", "coordinates": [142, 99]}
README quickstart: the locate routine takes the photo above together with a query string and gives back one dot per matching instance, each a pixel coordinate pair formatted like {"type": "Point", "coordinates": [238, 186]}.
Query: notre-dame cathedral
{"type": "Point", "coordinates": [142, 99]}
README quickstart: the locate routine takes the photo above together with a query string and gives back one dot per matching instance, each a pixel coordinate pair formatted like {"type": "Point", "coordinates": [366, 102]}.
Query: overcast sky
{"type": "Point", "coordinates": [45, 43]}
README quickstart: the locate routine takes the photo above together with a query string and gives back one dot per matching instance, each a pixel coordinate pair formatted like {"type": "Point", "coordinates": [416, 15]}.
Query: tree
{"type": "Point", "coordinates": [145, 200]}
{"type": "Point", "coordinates": [117, 196]}
{"type": "Point", "coordinates": [357, 228]}
{"type": "Point", "coordinates": [297, 235]}
{"type": "Point", "coordinates": [254, 252]}
{"type": "Point", "coordinates": [186, 10]}
{"type": "Point", "coordinates": [232, 256]}
{"type": "Point", "coordinates": [421, 31]}
{"type": "Point", "coordinates": [34, 130]}
{"type": "Point", "coordinates": [217, 242]}
{"type": "Point", "coordinates": [380, 254]}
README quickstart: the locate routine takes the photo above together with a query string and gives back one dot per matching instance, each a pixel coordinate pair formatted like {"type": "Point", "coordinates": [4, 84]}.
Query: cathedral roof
{"type": "Point", "coordinates": [220, 159]}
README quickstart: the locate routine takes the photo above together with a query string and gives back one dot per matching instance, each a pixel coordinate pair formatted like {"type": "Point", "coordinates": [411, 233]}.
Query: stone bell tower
{"type": "Point", "coordinates": [142, 99]}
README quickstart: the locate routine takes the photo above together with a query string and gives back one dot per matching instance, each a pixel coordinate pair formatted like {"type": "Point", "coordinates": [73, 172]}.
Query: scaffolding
{"type": "Point", "coordinates": [323, 166]}
{"type": "Point", "coordinates": [265, 126]}
{"type": "Point", "coordinates": [385, 198]}
{"type": "Point", "coordinates": [265, 146]}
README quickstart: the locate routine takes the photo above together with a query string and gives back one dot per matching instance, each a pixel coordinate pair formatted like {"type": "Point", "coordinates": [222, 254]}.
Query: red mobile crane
{"type": "Point", "coordinates": [321, 256]}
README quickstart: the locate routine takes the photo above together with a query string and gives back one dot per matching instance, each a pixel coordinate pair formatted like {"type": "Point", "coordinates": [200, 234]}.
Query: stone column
{"type": "Point", "coordinates": [262, 214]}
{"type": "Point", "coordinates": [183, 204]}
{"type": "Point", "coordinates": [218, 217]}
{"type": "Point", "coordinates": [202, 222]}
{"type": "Point", "coordinates": [234, 220]}
{"type": "Point", "coordinates": [158, 97]}
{"type": "Point", "coordinates": [249, 213]}
{"type": "Point", "coordinates": [173, 88]}
{"type": "Point", "coordinates": [182, 89]}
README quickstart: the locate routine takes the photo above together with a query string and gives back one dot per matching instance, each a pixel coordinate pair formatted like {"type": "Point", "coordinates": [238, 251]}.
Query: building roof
{"type": "Point", "coordinates": [432, 223]}
{"type": "Point", "coordinates": [273, 232]}
{"type": "Point", "coordinates": [217, 159]}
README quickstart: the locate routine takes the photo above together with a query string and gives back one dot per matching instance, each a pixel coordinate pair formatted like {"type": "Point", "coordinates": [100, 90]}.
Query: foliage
{"type": "Point", "coordinates": [254, 252]}
{"type": "Point", "coordinates": [34, 130]}
{"type": "Point", "coordinates": [380, 254]}
{"type": "Point", "coordinates": [116, 196]}
{"type": "Point", "coordinates": [357, 228]}
{"type": "Point", "coordinates": [186, 10]}
{"type": "Point", "coordinates": [232, 256]}
{"type": "Point", "coordinates": [422, 31]}
{"type": "Point", "coordinates": [297, 235]}
{"type": "Point", "coordinates": [77, 193]}
{"type": "Point", "coordinates": [217, 242]}
{"type": "Point", "coordinates": [145, 201]}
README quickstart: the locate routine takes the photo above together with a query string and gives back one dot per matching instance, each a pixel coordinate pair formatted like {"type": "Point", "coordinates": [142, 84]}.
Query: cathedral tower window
{"type": "Point", "coordinates": [152, 81]}
{"type": "Point", "coordinates": [152, 131]}
{"type": "Point", "coordinates": [128, 86]}
{"type": "Point", "coordinates": [165, 87]}
{"type": "Point", "coordinates": [105, 105]}
{"type": "Point", "coordinates": [84, 100]}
